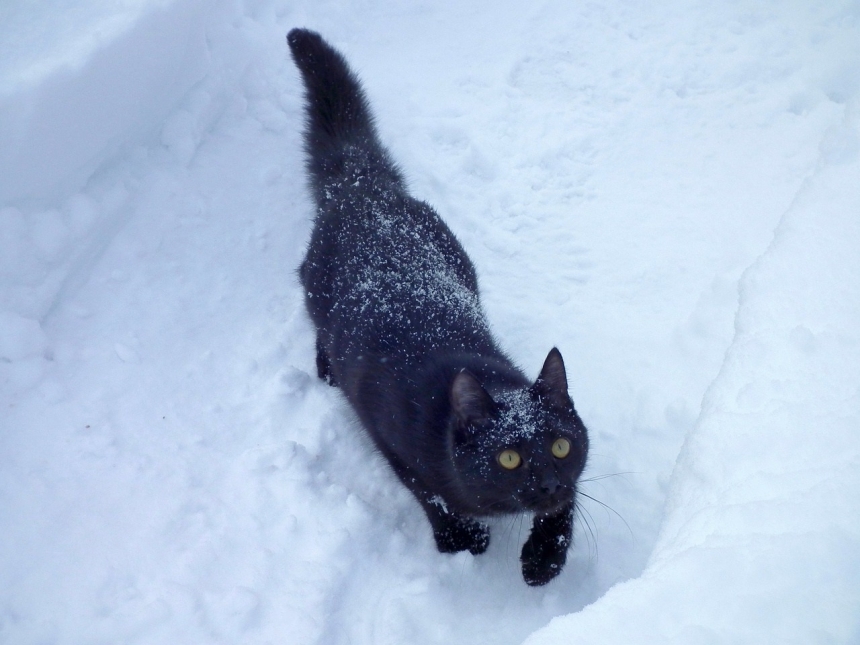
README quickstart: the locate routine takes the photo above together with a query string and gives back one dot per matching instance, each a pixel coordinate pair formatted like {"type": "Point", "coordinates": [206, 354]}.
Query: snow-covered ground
{"type": "Point", "coordinates": [668, 191]}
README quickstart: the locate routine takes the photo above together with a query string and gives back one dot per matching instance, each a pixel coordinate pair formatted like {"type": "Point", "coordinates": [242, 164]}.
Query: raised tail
{"type": "Point", "coordinates": [340, 137]}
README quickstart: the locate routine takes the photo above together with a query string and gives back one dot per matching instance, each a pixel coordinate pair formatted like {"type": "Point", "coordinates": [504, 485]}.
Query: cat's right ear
{"type": "Point", "coordinates": [469, 400]}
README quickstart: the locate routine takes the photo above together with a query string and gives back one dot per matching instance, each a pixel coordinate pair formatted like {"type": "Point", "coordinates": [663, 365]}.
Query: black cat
{"type": "Point", "coordinates": [400, 330]}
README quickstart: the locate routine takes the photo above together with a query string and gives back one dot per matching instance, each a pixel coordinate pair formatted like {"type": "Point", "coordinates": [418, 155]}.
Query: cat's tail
{"type": "Point", "coordinates": [340, 137]}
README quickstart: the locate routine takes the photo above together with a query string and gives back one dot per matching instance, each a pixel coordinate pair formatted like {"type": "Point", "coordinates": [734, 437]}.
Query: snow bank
{"type": "Point", "coordinates": [61, 118]}
{"type": "Point", "coordinates": [761, 535]}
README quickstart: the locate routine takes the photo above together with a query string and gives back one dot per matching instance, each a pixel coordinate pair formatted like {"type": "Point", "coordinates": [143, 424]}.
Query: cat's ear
{"type": "Point", "coordinates": [469, 400]}
{"type": "Point", "coordinates": [551, 384]}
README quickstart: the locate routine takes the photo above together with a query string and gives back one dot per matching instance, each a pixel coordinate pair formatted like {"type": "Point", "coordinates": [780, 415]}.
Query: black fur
{"type": "Point", "coordinates": [400, 329]}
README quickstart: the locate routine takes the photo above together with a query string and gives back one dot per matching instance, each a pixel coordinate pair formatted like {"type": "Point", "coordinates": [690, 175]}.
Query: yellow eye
{"type": "Point", "coordinates": [561, 448]}
{"type": "Point", "coordinates": [509, 459]}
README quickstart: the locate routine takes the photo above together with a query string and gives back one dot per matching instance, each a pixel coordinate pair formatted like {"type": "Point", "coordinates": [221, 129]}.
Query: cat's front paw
{"type": "Point", "coordinates": [543, 558]}
{"type": "Point", "coordinates": [462, 534]}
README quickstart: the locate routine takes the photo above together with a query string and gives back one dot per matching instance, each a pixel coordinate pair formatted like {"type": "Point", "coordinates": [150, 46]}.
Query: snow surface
{"type": "Point", "coordinates": [669, 192]}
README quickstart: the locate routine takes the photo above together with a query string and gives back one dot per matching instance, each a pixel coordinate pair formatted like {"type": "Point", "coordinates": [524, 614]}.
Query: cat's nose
{"type": "Point", "coordinates": [550, 483]}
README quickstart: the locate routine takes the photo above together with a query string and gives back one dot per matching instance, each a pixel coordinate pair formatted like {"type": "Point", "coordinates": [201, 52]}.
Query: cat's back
{"type": "Point", "coordinates": [397, 271]}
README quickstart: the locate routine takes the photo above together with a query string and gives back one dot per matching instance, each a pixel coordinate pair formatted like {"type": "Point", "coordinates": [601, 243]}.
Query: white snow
{"type": "Point", "coordinates": [669, 192]}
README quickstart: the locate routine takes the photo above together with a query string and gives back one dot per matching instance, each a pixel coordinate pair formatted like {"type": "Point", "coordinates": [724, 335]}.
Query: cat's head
{"type": "Point", "coordinates": [519, 449]}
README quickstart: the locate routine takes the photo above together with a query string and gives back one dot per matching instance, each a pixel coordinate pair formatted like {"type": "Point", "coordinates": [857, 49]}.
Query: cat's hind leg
{"type": "Point", "coordinates": [324, 364]}
{"type": "Point", "coordinates": [545, 552]}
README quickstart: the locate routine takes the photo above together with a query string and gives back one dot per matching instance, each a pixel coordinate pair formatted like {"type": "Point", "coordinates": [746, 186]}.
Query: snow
{"type": "Point", "coordinates": [668, 192]}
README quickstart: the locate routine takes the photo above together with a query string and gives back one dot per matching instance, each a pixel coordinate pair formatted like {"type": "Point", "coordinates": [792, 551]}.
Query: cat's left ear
{"type": "Point", "coordinates": [551, 384]}
{"type": "Point", "coordinates": [469, 400]}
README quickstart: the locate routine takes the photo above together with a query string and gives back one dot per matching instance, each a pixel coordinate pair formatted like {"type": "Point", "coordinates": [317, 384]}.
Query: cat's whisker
{"type": "Point", "coordinates": [581, 513]}
{"type": "Point", "coordinates": [606, 476]}
{"type": "Point", "coordinates": [608, 508]}
{"type": "Point", "coordinates": [521, 517]}
{"type": "Point", "coordinates": [512, 523]}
